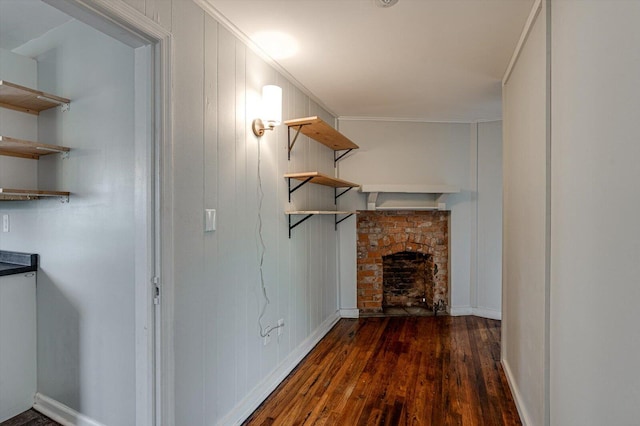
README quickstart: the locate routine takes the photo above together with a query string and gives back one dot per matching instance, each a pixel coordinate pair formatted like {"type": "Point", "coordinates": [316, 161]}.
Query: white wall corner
{"type": "Point", "coordinates": [264, 388]}
{"type": "Point", "coordinates": [517, 397]}
{"type": "Point", "coordinates": [487, 313]}
{"type": "Point", "coordinates": [61, 413]}
{"type": "Point", "coordinates": [459, 311]}
{"type": "Point", "coordinates": [350, 313]}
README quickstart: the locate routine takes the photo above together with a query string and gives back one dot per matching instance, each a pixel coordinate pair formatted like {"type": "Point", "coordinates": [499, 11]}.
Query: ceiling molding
{"type": "Point", "coordinates": [535, 11]}
{"type": "Point", "coordinates": [225, 22]}
{"type": "Point", "coordinates": [414, 120]}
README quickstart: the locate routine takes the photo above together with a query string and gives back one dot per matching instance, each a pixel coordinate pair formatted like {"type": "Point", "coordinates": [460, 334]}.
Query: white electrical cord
{"type": "Point", "coordinates": [261, 250]}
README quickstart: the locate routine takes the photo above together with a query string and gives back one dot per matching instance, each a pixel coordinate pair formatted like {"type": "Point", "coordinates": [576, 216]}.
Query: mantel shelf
{"type": "Point", "coordinates": [441, 193]}
{"type": "Point", "coordinates": [20, 98]}
{"type": "Point", "coordinates": [30, 194]}
{"type": "Point", "coordinates": [320, 131]}
{"type": "Point", "coordinates": [309, 213]}
{"type": "Point", "coordinates": [27, 149]}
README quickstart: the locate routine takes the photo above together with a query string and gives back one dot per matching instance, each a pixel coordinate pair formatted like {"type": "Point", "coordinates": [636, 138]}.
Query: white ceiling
{"type": "Point", "coordinates": [25, 20]}
{"type": "Point", "coordinates": [428, 60]}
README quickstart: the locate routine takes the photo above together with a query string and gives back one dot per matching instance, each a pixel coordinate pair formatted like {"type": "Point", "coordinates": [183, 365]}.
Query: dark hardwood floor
{"type": "Point", "coordinates": [397, 371]}
{"type": "Point", "coordinates": [29, 418]}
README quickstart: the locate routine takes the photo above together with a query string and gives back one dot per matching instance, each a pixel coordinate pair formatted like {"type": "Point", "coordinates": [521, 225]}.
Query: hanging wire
{"type": "Point", "coordinates": [261, 251]}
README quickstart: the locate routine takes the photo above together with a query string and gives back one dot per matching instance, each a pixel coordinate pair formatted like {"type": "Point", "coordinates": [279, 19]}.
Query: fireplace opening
{"type": "Point", "coordinates": [407, 283]}
{"type": "Point", "coordinates": [420, 241]}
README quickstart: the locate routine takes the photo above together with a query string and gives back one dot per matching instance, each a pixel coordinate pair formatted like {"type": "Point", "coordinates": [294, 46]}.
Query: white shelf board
{"type": "Point", "coordinates": [410, 189]}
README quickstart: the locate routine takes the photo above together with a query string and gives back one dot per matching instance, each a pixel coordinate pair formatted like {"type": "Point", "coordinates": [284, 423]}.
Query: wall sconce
{"type": "Point", "coordinates": [271, 114]}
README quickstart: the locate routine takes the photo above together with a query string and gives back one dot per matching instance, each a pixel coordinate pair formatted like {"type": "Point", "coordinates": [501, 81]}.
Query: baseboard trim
{"type": "Point", "coordinates": [487, 313]}
{"type": "Point", "coordinates": [350, 313]}
{"type": "Point", "coordinates": [459, 311]}
{"type": "Point", "coordinates": [517, 397]}
{"type": "Point", "coordinates": [259, 393]}
{"type": "Point", "coordinates": [61, 413]}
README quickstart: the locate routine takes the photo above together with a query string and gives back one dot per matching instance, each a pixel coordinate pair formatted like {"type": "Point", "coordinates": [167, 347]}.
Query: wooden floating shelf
{"type": "Point", "coordinates": [305, 212]}
{"type": "Point", "coordinates": [320, 131]}
{"type": "Point", "coordinates": [20, 98]}
{"type": "Point", "coordinates": [309, 213]}
{"type": "Point", "coordinates": [30, 194]}
{"type": "Point", "coordinates": [320, 179]}
{"type": "Point", "coordinates": [27, 149]}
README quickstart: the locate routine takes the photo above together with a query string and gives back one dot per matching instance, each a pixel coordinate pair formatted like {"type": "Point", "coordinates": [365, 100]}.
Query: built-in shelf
{"type": "Point", "coordinates": [319, 179]}
{"type": "Point", "coordinates": [309, 213]}
{"type": "Point", "coordinates": [440, 192]}
{"type": "Point", "coordinates": [31, 194]}
{"type": "Point", "coordinates": [20, 98]}
{"type": "Point", "coordinates": [320, 131]}
{"type": "Point", "coordinates": [28, 149]}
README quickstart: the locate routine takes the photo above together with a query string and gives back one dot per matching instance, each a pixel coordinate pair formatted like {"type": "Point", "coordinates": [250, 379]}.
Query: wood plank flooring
{"type": "Point", "coordinates": [397, 371]}
{"type": "Point", "coordinates": [30, 418]}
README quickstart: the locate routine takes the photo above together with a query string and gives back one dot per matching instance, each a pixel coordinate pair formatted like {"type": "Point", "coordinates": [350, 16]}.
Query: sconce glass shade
{"type": "Point", "coordinates": [271, 115]}
{"type": "Point", "coordinates": [272, 105]}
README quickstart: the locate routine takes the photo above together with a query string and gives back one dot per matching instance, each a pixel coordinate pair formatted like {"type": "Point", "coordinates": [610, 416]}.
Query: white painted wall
{"type": "Point", "coordinates": [222, 368]}
{"type": "Point", "coordinates": [18, 172]}
{"type": "Point", "coordinates": [414, 153]}
{"type": "Point", "coordinates": [487, 300]}
{"type": "Point", "coordinates": [525, 226]}
{"type": "Point", "coordinates": [86, 352]}
{"type": "Point", "coordinates": [434, 153]}
{"type": "Point", "coordinates": [595, 247]}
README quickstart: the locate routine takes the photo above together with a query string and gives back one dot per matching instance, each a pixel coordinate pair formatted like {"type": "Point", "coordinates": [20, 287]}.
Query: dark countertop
{"type": "Point", "coordinates": [12, 262]}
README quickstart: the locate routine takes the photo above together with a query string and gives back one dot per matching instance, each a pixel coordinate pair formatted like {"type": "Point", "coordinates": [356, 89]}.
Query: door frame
{"type": "Point", "coordinates": [154, 276]}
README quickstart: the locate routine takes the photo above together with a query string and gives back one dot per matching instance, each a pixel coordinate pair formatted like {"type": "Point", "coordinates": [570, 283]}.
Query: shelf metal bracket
{"type": "Point", "coordinates": [297, 223]}
{"type": "Point", "coordinates": [337, 157]}
{"type": "Point", "coordinates": [64, 199]}
{"type": "Point", "coordinates": [337, 222]}
{"type": "Point", "coordinates": [291, 191]}
{"type": "Point", "coordinates": [336, 195]}
{"type": "Point", "coordinates": [290, 143]}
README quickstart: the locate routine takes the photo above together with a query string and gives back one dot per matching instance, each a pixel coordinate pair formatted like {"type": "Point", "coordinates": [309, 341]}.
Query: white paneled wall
{"type": "Point", "coordinates": [222, 366]}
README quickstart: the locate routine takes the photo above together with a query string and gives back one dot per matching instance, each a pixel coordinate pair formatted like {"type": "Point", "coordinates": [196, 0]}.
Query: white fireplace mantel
{"type": "Point", "coordinates": [439, 194]}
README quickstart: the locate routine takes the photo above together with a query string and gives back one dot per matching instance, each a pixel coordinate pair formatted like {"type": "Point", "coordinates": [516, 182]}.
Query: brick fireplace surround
{"type": "Point", "coordinates": [382, 233]}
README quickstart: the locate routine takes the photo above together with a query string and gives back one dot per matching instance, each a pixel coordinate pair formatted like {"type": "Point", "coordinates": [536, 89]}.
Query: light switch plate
{"type": "Point", "coordinates": [209, 220]}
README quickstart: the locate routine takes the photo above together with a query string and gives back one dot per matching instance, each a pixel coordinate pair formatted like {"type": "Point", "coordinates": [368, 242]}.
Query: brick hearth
{"type": "Point", "coordinates": [382, 233]}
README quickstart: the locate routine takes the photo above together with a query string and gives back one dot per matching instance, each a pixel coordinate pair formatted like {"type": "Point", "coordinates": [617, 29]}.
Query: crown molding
{"type": "Point", "coordinates": [414, 120]}
{"type": "Point", "coordinates": [237, 32]}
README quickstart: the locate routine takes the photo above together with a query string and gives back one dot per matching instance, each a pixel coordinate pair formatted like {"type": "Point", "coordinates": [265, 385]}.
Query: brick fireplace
{"type": "Point", "coordinates": [403, 260]}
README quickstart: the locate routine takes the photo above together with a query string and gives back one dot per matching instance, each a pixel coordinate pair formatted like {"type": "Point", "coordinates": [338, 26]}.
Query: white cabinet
{"type": "Point", "coordinates": [17, 343]}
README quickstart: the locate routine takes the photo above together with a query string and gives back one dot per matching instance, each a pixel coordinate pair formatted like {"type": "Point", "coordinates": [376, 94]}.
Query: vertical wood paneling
{"type": "Point", "coordinates": [243, 243]}
{"type": "Point", "coordinates": [222, 358]}
{"type": "Point", "coordinates": [188, 196]}
{"type": "Point", "coordinates": [160, 11]}
{"type": "Point", "coordinates": [211, 191]}
{"type": "Point", "coordinates": [226, 282]}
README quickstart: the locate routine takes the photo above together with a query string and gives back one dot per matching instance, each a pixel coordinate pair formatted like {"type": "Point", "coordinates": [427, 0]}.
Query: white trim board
{"type": "Point", "coordinates": [535, 11]}
{"type": "Point", "coordinates": [259, 393]}
{"type": "Point", "coordinates": [61, 413]}
{"type": "Point", "coordinates": [350, 313]}
{"type": "Point", "coordinates": [517, 397]}
{"type": "Point", "coordinates": [460, 311]}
